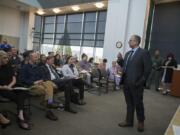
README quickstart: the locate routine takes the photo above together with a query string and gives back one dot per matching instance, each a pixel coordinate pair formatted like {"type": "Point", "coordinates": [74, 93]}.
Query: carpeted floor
{"type": "Point", "coordinates": [100, 116]}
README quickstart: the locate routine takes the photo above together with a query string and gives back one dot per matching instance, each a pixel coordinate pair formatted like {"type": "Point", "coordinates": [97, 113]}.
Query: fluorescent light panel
{"type": "Point", "coordinates": [99, 5]}
{"type": "Point", "coordinates": [40, 12]}
{"type": "Point", "coordinates": [75, 8]}
{"type": "Point", "coordinates": [56, 10]}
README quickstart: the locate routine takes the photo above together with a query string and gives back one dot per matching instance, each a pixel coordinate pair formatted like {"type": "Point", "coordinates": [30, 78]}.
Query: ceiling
{"type": "Point", "coordinates": [16, 5]}
{"type": "Point", "coordinates": [83, 7]}
{"type": "Point", "coordinates": [62, 3]}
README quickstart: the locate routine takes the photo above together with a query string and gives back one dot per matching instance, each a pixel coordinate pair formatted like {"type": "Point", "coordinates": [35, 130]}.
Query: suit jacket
{"type": "Point", "coordinates": [45, 73]}
{"type": "Point", "coordinates": [138, 68]}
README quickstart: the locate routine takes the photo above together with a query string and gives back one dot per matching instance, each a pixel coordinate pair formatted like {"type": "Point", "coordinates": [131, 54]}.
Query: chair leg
{"type": "Point", "coordinates": [107, 87]}
{"type": "Point", "coordinates": [99, 88]}
{"type": "Point", "coordinates": [114, 86]}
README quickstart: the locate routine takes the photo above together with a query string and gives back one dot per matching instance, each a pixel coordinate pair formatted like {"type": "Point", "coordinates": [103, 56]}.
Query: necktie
{"type": "Point", "coordinates": [128, 60]}
{"type": "Point", "coordinates": [54, 72]}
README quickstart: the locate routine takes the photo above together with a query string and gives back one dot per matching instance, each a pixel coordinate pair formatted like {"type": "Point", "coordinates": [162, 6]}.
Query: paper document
{"type": "Point", "coordinates": [20, 88]}
{"type": "Point", "coordinates": [83, 71]}
{"type": "Point", "coordinates": [176, 129]}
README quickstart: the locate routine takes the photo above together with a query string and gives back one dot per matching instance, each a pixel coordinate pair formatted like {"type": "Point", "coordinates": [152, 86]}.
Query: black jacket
{"type": "Point", "coordinates": [169, 71]}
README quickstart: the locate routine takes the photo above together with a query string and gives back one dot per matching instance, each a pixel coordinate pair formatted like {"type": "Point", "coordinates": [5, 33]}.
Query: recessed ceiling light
{"type": "Point", "coordinates": [56, 10]}
{"type": "Point", "coordinates": [40, 12]}
{"type": "Point", "coordinates": [99, 5]}
{"type": "Point", "coordinates": [75, 8]}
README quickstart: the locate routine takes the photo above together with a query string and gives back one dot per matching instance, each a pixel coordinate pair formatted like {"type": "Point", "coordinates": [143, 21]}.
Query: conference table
{"type": "Point", "coordinates": [175, 123]}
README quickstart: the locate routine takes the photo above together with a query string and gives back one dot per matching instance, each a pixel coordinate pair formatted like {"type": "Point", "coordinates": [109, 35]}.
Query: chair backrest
{"type": "Point", "coordinates": [95, 73]}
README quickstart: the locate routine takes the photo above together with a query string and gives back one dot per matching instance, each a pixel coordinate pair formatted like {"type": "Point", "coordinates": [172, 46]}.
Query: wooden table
{"type": "Point", "coordinates": [175, 121]}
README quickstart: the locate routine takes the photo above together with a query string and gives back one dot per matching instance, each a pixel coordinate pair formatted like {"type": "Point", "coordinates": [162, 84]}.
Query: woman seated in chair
{"type": "Point", "coordinates": [85, 68]}
{"type": "Point", "coordinates": [70, 71]}
{"type": "Point", "coordinates": [7, 81]}
{"type": "Point", "coordinates": [114, 73]}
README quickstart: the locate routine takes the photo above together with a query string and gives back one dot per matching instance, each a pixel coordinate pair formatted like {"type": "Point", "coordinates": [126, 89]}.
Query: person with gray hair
{"type": "Point", "coordinates": [136, 69]}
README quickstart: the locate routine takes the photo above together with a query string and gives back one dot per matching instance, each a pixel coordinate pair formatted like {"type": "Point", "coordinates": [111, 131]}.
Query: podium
{"type": "Point", "coordinates": [175, 86]}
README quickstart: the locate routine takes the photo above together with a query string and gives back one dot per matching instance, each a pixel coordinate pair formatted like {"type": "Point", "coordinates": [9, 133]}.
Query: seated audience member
{"type": "Point", "coordinates": [85, 66]}
{"type": "Point", "coordinates": [15, 59]}
{"type": "Point", "coordinates": [50, 53]}
{"type": "Point", "coordinates": [120, 60]}
{"type": "Point", "coordinates": [30, 76]}
{"type": "Point", "coordinates": [168, 65]}
{"type": "Point", "coordinates": [5, 46]}
{"type": "Point", "coordinates": [48, 72]}
{"type": "Point", "coordinates": [70, 71]}
{"type": "Point", "coordinates": [7, 82]}
{"type": "Point", "coordinates": [104, 63]}
{"type": "Point", "coordinates": [42, 60]}
{"type": "Point", "coordinates": [114, 74]}
{"type": "Point", "coordinates": [26, 57]}
{"type": "Point", "coordinates": [91, 62]}
{"type": "Point", "coordinates": [58, 61]}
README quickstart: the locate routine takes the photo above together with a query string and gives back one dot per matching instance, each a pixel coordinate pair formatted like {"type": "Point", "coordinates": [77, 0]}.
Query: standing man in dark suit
{"type": "Point", "coordinates": [136, 69]}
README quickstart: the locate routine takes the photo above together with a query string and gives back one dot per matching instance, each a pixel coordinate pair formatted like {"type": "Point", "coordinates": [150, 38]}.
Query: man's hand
{"type": "Point", "coordinates": [38, 82]}
{"type": "Point", "coordinates": [6, 87]}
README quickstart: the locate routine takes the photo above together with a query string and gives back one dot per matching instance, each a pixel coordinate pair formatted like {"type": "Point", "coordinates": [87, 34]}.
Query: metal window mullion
{"type": "Point", "coordinates": [95, 35]}
{"type": "Point", "coordinates": [82, 29]}
{"type": "Point", "coordinates": [41, 34]}
{"type": "Point", "coordinates": [54, 30]}
{"type": "Point", "coordinates": [65, 26]}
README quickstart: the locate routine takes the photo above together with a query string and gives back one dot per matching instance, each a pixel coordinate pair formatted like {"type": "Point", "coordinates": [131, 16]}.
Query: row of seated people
{"type": "Point", "coordinates": [85, 66]}
{"type": "Point", "coordinates": [42, 79]}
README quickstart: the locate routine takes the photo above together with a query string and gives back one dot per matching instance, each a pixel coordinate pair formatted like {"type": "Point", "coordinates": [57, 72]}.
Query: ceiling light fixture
{"type": "Point", "coordinates": [99, 5]}
{"type": "Point", "coordinates": [56, 10]}
{"type": "Point", "coordinates": [75, 8]}
{"type": "Point", "coordinates": [40, 12]}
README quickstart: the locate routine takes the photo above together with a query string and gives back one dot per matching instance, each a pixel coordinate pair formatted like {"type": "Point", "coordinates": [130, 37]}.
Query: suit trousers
{"type": "Point", "coordinates": [79, 83]}
{"type": "Point", "coordinates": [134, 100]}
{"type": "Point", "coordinates": [66, 85]}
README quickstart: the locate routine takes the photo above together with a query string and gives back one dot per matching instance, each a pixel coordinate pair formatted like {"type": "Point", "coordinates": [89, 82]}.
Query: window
{"type": "Point", "coordinates": [49, 29]}
{"type": "Point", "coordinates": [37, 32]}
{"type": "Point", "coordinates": [81, 32]}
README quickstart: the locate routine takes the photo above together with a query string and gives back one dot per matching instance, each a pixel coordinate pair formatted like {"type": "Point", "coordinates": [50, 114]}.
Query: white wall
{"type": "Point", "coordinates": [9, 21]}
{"type": "Point", "coordinates": [136, 20]}
{"type": "Point", "coordinates": [18, 24]}
{"type": "Point", "coordinates": [124, 18]}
